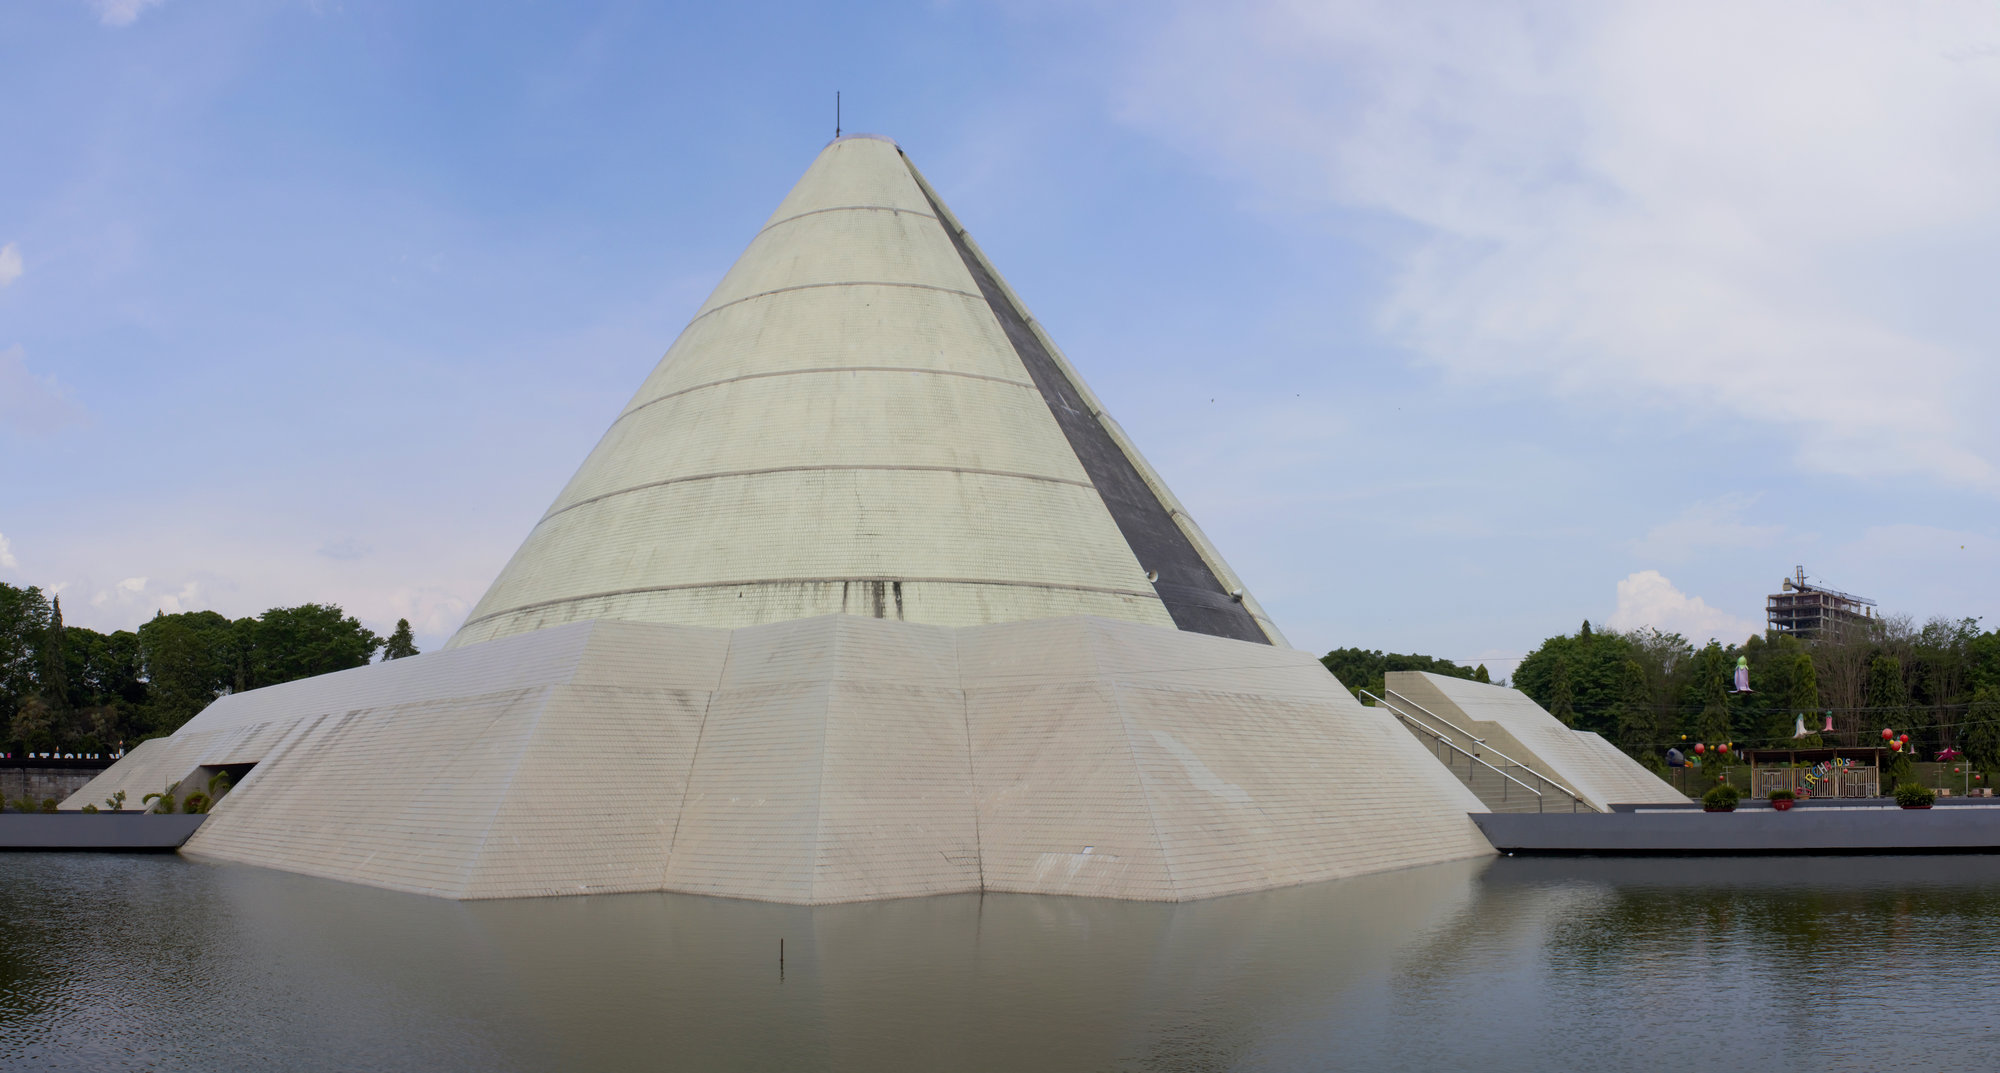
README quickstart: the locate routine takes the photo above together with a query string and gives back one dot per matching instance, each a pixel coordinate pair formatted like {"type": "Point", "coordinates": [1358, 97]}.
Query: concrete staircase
{"type": "Point", "coordinates": [1501, 783]}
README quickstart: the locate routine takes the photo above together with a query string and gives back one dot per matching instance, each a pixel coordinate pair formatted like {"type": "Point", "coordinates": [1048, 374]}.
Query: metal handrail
{"type": "Point", "coordinates": [1481, 742]}
{"type": "Point", "coordinates": [1453, 746]}
{"type": "Point", "coordinates": [1439, 718]}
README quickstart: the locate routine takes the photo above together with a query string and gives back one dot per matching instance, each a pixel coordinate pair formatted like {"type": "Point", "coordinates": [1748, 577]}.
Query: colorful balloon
{"type": "Point", "coordinates": [1887, 733]}
{"type": "Point", "coordinates": [1699, 748]}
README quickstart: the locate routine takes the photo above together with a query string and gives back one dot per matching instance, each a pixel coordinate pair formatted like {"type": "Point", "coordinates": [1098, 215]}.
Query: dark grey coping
{"type": "Point", "coordinates": [1193, 596]}
{"type": "Point", "coordinates": [1883, 829]}
{"type": "Point", "coordinates": [1815, 803]}
{"type": "Point", "coordinates": [120, 831]}
{"type": "Point", "coordinates": [1744, 872]}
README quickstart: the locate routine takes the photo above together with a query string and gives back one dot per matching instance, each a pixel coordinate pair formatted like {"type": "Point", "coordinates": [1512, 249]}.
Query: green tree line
{"type": "Point", "coordinates": [1644, 689]}
{"type": "Point", "coordinates": [71, 689]}
{"type": "Point", "coordinates": [1365, 669]}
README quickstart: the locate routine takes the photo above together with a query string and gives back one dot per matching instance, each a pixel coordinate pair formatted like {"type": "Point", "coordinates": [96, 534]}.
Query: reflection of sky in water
{"type": "Point", "coordinates": [157, 962]}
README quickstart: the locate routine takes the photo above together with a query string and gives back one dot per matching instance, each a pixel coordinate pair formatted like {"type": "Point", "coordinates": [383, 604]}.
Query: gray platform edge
{"type": "Point", "coordinates": [114, 831]}
{"type": "Point", "coordinates": [1756, 832]}
{"type": "Point", "coordinates": [1748, 804]}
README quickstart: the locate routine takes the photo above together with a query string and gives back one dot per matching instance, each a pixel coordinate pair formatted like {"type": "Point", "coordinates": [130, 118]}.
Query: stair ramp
{"type": "Point", "coordinates": [1501, 783]}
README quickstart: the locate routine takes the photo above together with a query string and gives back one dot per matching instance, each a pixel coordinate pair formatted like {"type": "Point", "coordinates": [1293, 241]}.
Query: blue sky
{"type": "Point", "coordinates": [1453, 324]}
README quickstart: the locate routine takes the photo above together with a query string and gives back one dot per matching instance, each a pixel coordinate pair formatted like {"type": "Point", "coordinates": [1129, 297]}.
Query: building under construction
{"type": "Point", "coordinates": [1806, 610]}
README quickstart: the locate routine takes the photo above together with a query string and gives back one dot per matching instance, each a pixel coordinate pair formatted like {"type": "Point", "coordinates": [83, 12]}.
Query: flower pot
{"type": "Point", "coordinates": [1783, 804]}
{"type": "Point", "coordinates": [1718, 808]}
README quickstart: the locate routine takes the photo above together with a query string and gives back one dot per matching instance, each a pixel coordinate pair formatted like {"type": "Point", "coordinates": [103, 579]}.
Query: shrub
{"type": "Point", "coordinates": [89, 808]}
{"type": "Point", "coordinates": [1914, 795]}
{"type": "Point", "coordinates": [48, 804]}
{"type": "Point", "coordinates": [1783, 795]}
{"type": "Point", "coordinates": [195, 802]}
{"type": "Point", "coordinates": [161, 802]}
{"type": "Point", "coordinates": [1722, 798]}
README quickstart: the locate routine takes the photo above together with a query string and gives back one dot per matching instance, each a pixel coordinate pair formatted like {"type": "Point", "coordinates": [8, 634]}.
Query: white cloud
{"type": "Point", "coordinates": [135, 599]}
{"type": "Point", "coordinates": [120, 12]}
{"type": "Point", "coordinates": [1647, 598]}
{"type": "Point", "coordinates": [7, 560]}
{"type": "Point", "coordinates": [432, 612]}
{"type": "Point", "coordinates": [1760, 212]}
{"type": "Point", "coordinates": [346, 549]}
{"type": "Point", "coordinates": [32, 404]}
{"type": "Point", "coordinates": [10, 263]}
{"type": "Point", "coordinates": [1717, 523]}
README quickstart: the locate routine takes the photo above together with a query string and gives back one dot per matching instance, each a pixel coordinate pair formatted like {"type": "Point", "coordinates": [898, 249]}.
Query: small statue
{"type": "Point", "coordinates": [1743, 674]}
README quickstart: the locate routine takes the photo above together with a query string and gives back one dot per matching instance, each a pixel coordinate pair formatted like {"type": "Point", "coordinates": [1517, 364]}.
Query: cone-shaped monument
{"type": "Point", "coordinates": [863, 595]}
{"type": "Point", "coordinates": [863, 420]}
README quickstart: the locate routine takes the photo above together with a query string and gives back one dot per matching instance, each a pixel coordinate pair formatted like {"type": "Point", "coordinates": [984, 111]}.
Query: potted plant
{"type": "Point", "coordinates": [1782, 799]}
{"type": "Point", "coordinates": [1915, 795]}
{"type": "Point", "coordinates": [1722, 798]}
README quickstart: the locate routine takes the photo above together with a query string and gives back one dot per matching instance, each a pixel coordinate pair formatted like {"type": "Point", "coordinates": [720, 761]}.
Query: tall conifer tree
{"type": "Point", "coordinates": [55, 660]}
{"type": "Point", "coordinates": [402, 643]}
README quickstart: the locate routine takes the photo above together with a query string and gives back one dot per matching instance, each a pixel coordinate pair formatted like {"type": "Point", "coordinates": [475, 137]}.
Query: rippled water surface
{"type": "Point", "coordinates": [137, 962]}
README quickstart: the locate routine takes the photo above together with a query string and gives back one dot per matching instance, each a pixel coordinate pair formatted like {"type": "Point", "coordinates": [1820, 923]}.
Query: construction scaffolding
{"type": "Point", "coordinates": [1806, 610]}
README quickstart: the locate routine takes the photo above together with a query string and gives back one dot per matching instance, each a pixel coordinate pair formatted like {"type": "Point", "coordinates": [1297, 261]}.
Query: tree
{"type": "Point", "coordinates": [1591, 663]}
{"type": "Point", "coordinates": [1362, 668]}
{"type": "Point", "coordinates": [1982, 658]}
{"type": "Point", "coordinates": [24, 622]}
{"type": "Point", "coordinates": [1562, 693]}
{"type": "Point", "coordinates": [55, 660]}
{"type": "Point", "coordinates": [33, 724]}
{"type": "Point", "coordinates": [1898, 771]}
{"type": "Point", "coordinates": [1713, 725]}
{"type": "Point", "coordinates": [402, 643]}
{"type": "Point", "coordinates": [1804, 698]}
{"type": "Point", "coordinates": [189, 660]}
{"type": "Point", "coordinates": [106, 668]}
{"type": "Point", "coordinates": [1886, 698]}
{"type": "Point", "coordinates": [1637, 726]}
{"type": "Point", "coordinates": [1982, 727]}
{"type": "Point", "coordinates": [1479, 674]}
{"type": "Point", "coordinates": [288, 643]}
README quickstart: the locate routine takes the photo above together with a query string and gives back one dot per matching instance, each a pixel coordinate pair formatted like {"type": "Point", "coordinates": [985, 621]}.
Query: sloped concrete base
{"type": "Point", "coordinates": [823, 760]}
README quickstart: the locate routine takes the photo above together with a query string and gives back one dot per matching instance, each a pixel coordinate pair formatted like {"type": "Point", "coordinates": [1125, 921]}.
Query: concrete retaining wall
{"type": "Point", "coordinates": [38, 782]}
